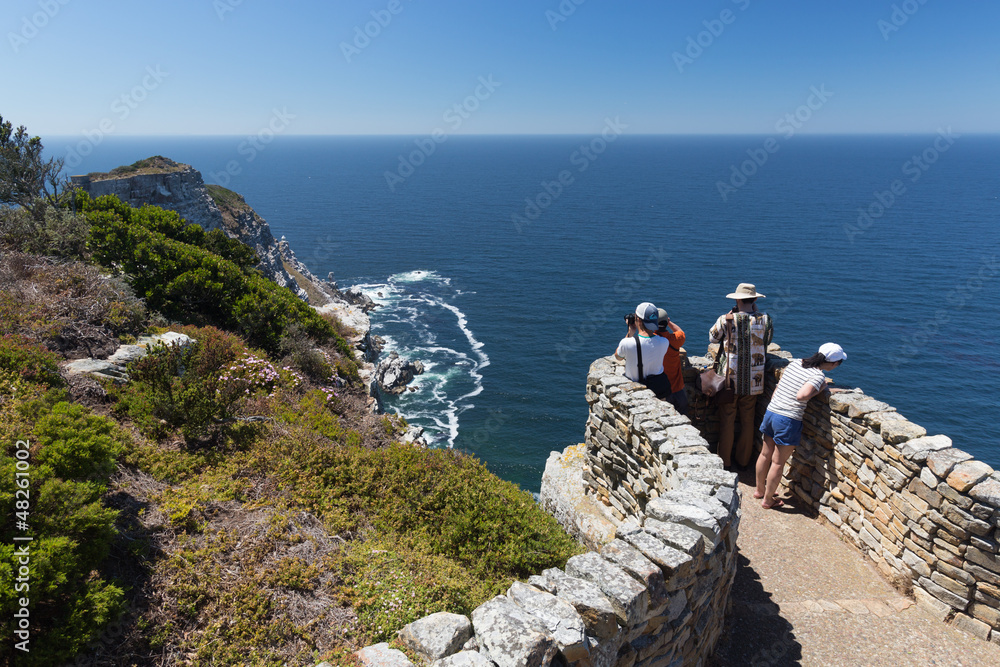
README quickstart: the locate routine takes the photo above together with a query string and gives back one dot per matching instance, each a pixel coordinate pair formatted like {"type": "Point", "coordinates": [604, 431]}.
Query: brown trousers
{"type": "Point", "coordinates": [747, 407]}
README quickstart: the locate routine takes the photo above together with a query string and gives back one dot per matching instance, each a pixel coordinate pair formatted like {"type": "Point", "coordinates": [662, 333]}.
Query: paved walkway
{"type": "Point", "coordinates": [804, 597]}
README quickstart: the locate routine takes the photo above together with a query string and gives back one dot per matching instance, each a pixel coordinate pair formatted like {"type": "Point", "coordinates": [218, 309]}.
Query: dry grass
{"type": "Point", "coordinates": [156, 164]}
{"type": "Point", "coordinates": [244, 558]}
{"type": "Point", "coordinates": [69, 306]}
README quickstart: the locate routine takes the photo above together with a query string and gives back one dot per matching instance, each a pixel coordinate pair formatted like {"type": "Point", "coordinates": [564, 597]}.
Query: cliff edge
{"type": "Point", "coordinates": [160, 181]}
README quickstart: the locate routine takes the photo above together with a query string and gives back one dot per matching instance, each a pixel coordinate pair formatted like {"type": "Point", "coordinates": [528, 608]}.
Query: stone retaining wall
{"type": "Point", "coordinates": [655, 588]}
{"type": "Point", "coordinates": [924, 511]}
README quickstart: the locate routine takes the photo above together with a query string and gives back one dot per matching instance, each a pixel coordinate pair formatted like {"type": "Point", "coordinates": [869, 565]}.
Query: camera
{"type": "Point", "coordinates": [630, 319]}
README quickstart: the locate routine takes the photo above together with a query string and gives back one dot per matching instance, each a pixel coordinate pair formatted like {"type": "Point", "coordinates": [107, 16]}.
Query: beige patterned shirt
{"type": "Point", "coordinates": [747, 337]}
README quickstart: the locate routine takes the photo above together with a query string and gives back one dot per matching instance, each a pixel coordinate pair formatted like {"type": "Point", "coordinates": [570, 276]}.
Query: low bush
{"type": "Point", "coordinates": [300, 352]}
{"type": "Point", "coordinates": [391, 584]}
{"type": "Point", "coordinates": [29, 361]}
{"type": "Point", "coordinates": [46, 230]}
{"type": "Point", "coordinates": [196, 389]}
{"type": "Point", "coordinates": [68, 306]}
{"type": "Point", "coordinates": [70, 455]}
{"type": "Point", "coordinates": [442, 519]}
{"type": "Point", "coordinates": [177, 268]}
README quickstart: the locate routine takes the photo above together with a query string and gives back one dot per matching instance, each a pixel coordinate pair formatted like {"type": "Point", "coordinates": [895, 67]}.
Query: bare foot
{"type": "Point", "coordinates": [778, 502]}
{"type": "Point", "coordinates": [758, 496]}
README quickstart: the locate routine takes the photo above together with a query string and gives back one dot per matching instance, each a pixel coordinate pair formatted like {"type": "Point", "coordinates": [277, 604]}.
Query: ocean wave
{"type": "Point", "coordinates": [419, 319]}
{"type": "Point", "coordinates": [419, 276]}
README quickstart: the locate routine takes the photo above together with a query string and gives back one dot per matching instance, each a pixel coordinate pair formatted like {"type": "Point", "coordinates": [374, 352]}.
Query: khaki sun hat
{"type": "Point", "coordinates": [745, 291]}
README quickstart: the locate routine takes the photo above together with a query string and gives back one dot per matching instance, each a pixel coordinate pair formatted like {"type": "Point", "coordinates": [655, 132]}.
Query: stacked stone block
{"type": "Point", "coordinates": [925, 512]}
{"type": "Point", "coordinates": [656, 594]}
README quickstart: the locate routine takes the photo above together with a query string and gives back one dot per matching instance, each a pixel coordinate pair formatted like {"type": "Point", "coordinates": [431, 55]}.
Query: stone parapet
{"type": "Point", "coordinates": [661, 518]}
{"type": "Point", "coordinates": [923, 511]}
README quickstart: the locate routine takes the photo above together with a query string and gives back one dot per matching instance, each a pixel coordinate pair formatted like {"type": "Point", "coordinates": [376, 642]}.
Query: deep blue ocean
{"type": "Point", "coordinates": [508, 312]}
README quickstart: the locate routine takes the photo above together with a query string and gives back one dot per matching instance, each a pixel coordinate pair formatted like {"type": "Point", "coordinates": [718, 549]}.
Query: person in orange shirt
{"type": "Point", "coordinates": [672, 361]}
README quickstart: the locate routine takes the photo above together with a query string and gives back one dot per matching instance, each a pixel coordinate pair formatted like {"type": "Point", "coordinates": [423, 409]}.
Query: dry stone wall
{"type": "Point", "coordinates": [925, 512]}
{"type": "Point", "coordinates": [653, 590]}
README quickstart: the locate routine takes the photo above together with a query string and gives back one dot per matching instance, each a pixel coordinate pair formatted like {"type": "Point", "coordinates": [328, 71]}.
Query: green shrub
{"type": "Point", "coordinates": [440, 501]}
{"type": "Point", "coordinates": [46, 230]}
{"type": "Point", "coordinates": [173, 266]}
{"type": "Point", "coordinates": [183, 388]}
{"type": "Point", "coordinates": [71, 455]}
{"type": "Point", "coordinates": [301, 353]}
{"type": "Point", "coordinates": [391, 584]}
{"type": "Point", "coordinates": [28, 360]}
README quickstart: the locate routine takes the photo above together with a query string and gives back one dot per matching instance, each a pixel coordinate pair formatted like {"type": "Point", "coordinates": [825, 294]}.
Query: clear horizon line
{"type": "Point", "coordinates": [547, 134]}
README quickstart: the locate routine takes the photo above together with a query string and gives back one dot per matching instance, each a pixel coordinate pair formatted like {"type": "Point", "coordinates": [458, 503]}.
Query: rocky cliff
{"type": "Point", "coordinates": [162, 182]}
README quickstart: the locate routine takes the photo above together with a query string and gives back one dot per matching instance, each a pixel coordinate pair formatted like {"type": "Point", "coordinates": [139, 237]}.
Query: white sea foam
{"type": "Point", "coordinates": [419, 276]}
{"type": "Point", "coordinates": [411, 320]}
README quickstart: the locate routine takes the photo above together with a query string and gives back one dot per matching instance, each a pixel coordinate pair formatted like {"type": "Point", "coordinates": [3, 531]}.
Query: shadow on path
{"type": "Point", "coordinates": [755, 632]}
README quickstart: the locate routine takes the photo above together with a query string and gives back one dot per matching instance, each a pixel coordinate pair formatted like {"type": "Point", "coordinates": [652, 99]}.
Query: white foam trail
{"type": "Point", "coordinates": [382, 294]}
{"type": "Point", "coordinates": [397, 300]}
{"type": "Point", "coordinates": [418, 276]}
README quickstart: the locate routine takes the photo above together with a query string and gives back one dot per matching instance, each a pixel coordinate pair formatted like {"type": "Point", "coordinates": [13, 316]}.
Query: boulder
{"type": "Point", "coordinates": [593, 606]}
{"type": "Point", "coordinates": [464, 659]}
{"type": "Point", "coordinates": [394, 373]}
{"type": "Point", "coordinates": [438, 635]}
{"type": "Point", "coordinates": [560, 618]}
{"type": "Point", "coordinates": [563, 496]}
{"type": "Point", "coordinates": [380, 655]}
{"type": "Point", "coordinates": [629, 598]}
{"type": "Point", "coordinates": [510, 636]}
{"type": "Point", "coordinates": [355, 296]}
{"type": "Point", "coordinates": [114, 367]}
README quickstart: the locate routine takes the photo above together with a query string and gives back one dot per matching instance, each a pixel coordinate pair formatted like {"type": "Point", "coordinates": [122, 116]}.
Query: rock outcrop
{"type": "Point", "coordinates": [160, 181]}
{"type": "Point", "coordinates": [394, 373]}
{"type": "Point", "coordinates": [114, 367]}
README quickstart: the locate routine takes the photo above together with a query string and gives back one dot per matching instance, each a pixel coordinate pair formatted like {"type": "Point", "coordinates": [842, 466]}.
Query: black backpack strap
{"type": "Point", "coordinates": [638, 352]}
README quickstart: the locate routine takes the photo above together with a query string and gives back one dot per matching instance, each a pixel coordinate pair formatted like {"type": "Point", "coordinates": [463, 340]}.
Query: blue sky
{"type": "Point", "coordinates": [190, 67]}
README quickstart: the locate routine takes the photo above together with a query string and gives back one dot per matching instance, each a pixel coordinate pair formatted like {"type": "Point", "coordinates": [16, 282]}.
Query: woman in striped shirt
{"type": "Point", "coordinates": [782, 425]}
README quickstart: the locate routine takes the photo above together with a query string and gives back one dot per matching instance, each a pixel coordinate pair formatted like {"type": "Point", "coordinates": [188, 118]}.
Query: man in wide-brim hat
{"type": "Point", "coordinates": [745, 332]}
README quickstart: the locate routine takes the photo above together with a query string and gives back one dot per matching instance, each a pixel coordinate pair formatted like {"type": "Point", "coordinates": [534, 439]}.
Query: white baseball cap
{"type": "Point", "coordinates": [648, 313]}
{"type": "Point", "coordinates": [832, 352]}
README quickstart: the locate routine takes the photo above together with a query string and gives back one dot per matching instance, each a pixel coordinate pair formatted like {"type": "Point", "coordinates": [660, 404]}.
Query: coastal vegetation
{"type": "Point", "coordinates": [234, 502]}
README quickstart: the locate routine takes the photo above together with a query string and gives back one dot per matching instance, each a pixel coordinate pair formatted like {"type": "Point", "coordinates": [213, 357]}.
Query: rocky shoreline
{"type": "Point", "coordinates": [162, 182]}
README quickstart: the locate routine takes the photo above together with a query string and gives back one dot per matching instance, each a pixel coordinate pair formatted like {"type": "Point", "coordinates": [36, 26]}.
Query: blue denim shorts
{"type": "Point", "coordinates": [784, 430]}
